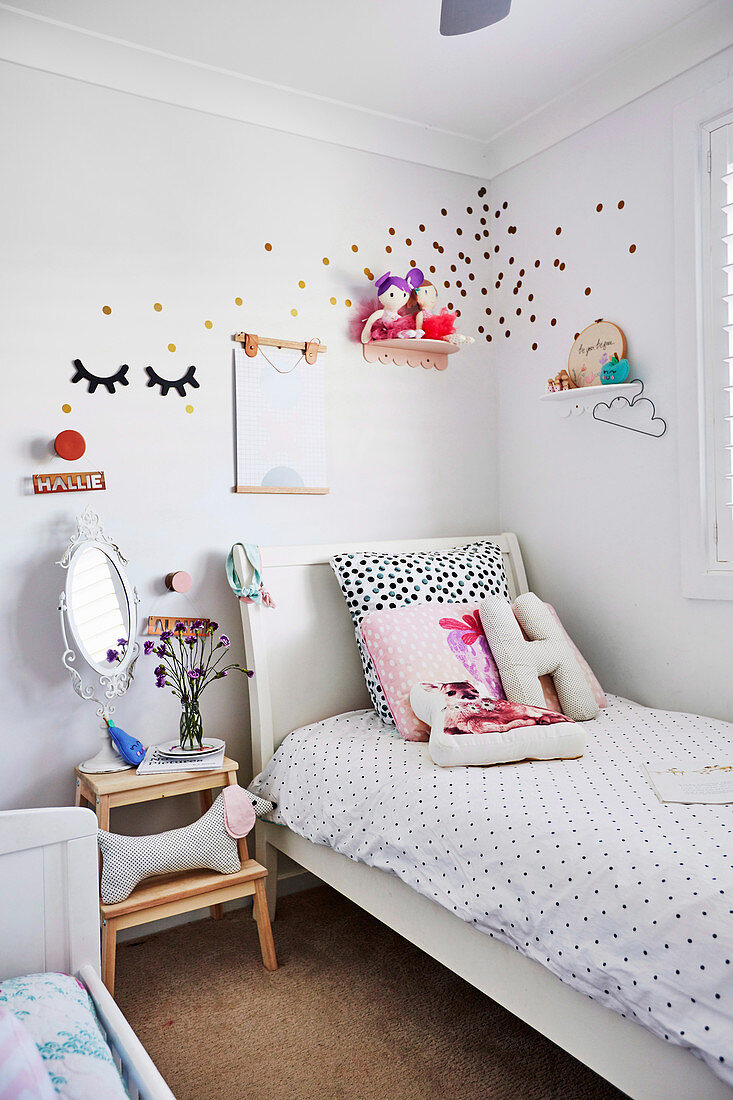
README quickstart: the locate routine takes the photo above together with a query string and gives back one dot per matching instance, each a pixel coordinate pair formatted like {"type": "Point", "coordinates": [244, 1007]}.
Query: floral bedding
{"type": "Point", "coordinates": [58, 1013]}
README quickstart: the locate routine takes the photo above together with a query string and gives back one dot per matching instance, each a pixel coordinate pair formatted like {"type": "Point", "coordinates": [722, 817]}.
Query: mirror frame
{"type": "Point", "coordinates": [115, 682]}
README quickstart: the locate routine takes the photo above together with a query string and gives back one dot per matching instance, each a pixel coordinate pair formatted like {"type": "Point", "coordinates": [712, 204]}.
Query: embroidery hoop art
{"type": "Point", "coordinates": [593, 347]}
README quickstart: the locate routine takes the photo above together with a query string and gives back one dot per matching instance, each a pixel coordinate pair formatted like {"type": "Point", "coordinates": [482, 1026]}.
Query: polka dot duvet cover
{"type": "Point", "coordinates": [574, 863]}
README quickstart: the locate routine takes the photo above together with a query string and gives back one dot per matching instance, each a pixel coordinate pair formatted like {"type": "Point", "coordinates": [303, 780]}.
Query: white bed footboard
{"type": "Point", "coordinates": [49, 921]}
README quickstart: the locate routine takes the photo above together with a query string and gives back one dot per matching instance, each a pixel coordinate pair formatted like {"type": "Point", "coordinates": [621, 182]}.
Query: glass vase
{"type": "Point", "coordinates": [191, 726]}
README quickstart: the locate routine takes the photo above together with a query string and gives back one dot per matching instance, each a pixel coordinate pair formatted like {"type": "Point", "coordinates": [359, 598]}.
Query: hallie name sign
{"type": "Point", "coordinates": [68, 483]}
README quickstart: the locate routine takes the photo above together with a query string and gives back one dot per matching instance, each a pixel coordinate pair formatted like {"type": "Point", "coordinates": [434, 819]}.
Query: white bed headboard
{"type": "Point", "coordinates": [303, 650]}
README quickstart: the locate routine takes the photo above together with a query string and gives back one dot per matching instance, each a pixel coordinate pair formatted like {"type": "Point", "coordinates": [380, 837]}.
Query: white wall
{"type": "Point", "coordinates": [110, 199]}
{"type": "Point", "coordinates": [596, 508]}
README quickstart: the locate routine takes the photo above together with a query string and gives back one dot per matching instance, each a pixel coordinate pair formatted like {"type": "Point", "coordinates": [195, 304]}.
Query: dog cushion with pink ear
{"type": "Point", "coordinates": [210, 843]}
{"type": "Point", "coordinates": [521, 661]}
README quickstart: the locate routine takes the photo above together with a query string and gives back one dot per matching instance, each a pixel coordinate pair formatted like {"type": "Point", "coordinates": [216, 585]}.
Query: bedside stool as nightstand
{"type": "Point", "coordinates": [168, 895]}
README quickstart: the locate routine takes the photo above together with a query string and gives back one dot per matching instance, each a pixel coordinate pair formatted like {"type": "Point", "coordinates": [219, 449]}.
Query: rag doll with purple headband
{"type": "Point", "coordinates": [393, 293]}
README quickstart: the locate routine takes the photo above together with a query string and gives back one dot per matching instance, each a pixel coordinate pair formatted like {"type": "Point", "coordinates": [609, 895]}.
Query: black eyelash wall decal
{"type": "Point", "coordinates": [82, 374]}
{"type": "Point", "coordinates": [179, 385]}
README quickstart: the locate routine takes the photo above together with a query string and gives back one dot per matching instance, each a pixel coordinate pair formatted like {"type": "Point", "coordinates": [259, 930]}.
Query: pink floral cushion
{"type": "Point", "coordinates": [22, 1073]}
{"type": "Point", "coordinates": [437, 642]}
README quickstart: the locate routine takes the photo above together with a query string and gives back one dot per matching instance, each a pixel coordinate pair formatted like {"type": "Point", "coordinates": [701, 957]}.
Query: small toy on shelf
{"type": "Point", "coordinates": [393, 293]}
{"type": "Point", "coordinates": [551, 385]}
{"type": "Point", "coordinates": [563, 381]}
{"type": "Point", "coordinates": [614, 371]}
{"type": "Point", "coordinates": [436, 326]}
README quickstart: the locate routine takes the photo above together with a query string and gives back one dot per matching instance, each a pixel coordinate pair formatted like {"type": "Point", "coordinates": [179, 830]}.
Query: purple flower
{"type": "Point", "coordinates": [225, 641]}
{"type": "Point", "coordinates": [148, 647]}
{"type": "Point", "coordinates": [166, 635]}
{"type": "Point", "coordinates": [190, 639]}
{"type": "Point", "coordinates": [160, 650]}
{"type": "Point", "coordinates": [213, 627]}
{"type": "Point", "coordinates": [179, 627]}
{"type": "Point", "coordinates": [198, 624]}
{"type": "Point", "coordinates": [193, 673]}
{"type": "Point", "coordinates": [159, 671]}
{"type": "Point", "coordinates": [122, 641]}
{"type": "Point", "coordinates": [160, 682]}
{"type": "Point", "coordinates": [222, 673]}
{"type": "Point", "coordinates": [112, 655]}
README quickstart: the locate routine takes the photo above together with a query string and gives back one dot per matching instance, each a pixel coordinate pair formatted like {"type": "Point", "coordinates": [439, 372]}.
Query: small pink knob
{"type": "Point", "coordinates": [178, 581]}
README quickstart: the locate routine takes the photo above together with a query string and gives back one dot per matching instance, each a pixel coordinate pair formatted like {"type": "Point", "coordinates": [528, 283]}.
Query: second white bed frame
{"type": "Point", "coordinates": [307, 668]}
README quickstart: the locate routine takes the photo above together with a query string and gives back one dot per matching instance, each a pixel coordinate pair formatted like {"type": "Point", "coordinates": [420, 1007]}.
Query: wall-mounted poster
{"type": "Point", "coordinates": [592, 349]}
{"type": "Point", "coordinates": [281, 422]}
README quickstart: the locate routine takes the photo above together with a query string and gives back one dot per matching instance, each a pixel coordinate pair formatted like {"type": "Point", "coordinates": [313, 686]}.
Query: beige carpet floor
{"type": "Point", "coordinates": [353, 1013]}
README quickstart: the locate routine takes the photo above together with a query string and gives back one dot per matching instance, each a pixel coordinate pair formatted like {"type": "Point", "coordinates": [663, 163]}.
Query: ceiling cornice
{"type": "Point", "coordinates": [38, 42]}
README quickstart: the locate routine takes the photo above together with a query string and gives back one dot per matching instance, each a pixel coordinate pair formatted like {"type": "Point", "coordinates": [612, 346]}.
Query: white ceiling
{"type": "Point", "coordinates": [388, 56]}
{"type": "Point", "coordinates": [387, 59]}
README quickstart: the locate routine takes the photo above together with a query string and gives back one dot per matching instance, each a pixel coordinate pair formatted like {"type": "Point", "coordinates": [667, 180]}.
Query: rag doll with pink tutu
{"type": "Point", "coordinates": [407, 311]}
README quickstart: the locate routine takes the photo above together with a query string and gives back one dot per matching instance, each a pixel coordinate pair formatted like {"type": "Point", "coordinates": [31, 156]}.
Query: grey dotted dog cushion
{"type": "Point", "coordinates": [373, 582]}
{"type": "Point", "coordinates": [209, 843]}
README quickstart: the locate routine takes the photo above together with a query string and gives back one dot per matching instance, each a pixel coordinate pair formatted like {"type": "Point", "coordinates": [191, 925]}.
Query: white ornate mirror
{"type": "Point", "coordinates": [99, 625]}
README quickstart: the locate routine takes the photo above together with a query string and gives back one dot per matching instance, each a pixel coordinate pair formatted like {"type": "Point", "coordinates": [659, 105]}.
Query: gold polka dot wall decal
{"type": "Point", "coordinates": [532, 317]}
{"type": "Point", "coordinates": [458, 282]}
{"type": "Point", "coordinates": [519, 311]}
{"type": "Point", "coordinates": [347, 302]}
{"type": "Point", "coordinates": [268, 247]}
{"type": "Point", "coordinates": [621, 204]}
{"type": "Point", "coordinates": [467, 260]}
{"type": "Point", "coordinates": [507, 334]}
{"type": "Point", "coordinates": [421, 228]}
{"type": "Point", "coordinates": [171, 347]}
{"type": "Point", "coordinates": [562, 266]}
{"type": "Point", "coordinates": [558, 231]}
{"type": "Point", "coordinates": [599, 207]}
{"type": "Point", "coordinates": [157, 307]}
{"type": "Point", "coordinates": [446, 284]}
{"type": "Point", "coordinates": [632, 248]}
{"type": "Point", "coordinates": [587, 290]}
{"type": "Point", "coordinates": [497, 213]}
{"type": "Point", "coordinates": [189, 408]}
{"type": "Point", "coordinates": [444, 212]}
{"type": "Point", "coordinates": [504, 205]}
{"type": "Point", "coordinates": [501, 320]}
{"type": "Point", "coordinates": [370, 274]}
{"type": "Point", "coordinates": [463, 293]}
{"type": "Point", "coordinates": [534, 347]}
{"type": "Point", "coordinates": [458, 313]}
{"type": "Point", "coordinates": [408, 241]}
{"type": "Point", "coordinates": [519, 283]}
{"type": "Point", "coordinates": [107, 310]}
{"type": "Point", "coordinates": [481, 192]}
{"type": "Point", "coordinates": [530, 297]}
{"type": "Point", "coordinates": [497, 285]}
{"type": "Point", "coordinates": [515, 290]}
{"type": "Point", "coordinates": [459, 231]}
{"type": "Point", "coordinates": [469, 210]}
{"type": "Point", "coordinates": [553, 322]}
{"type": "Point", "coordinates": [432, 270]}
{"type": "Point", "coordinates": [332, 301]}
{"type": "Point", "coordinates": [471, 276]}
{"type": "Point", "coordinates": [391, 231]}
{"type": "Point", "coordinates": [484, 290]}
{"type": "Point", "coordinates": [461, 255]}
{"type": "Point", "coordinates": [237, 301]}
{"type": "Point", "coordinates": [293, 313]}
{"type": "Point", "coordinates": [208, 324]}
{"type": "Point", "coordinates": [66, 408]}
{"type": "Point", "coordinates": [481, 328]}
{"type": "Point", "coordinates": [486, 207]}
{"type": "Point", "coordinates": [450, 305]}
{"type": "Point", "coordinates": [354, 248]}
{"type": "Point", "coordinates": [441, 250]}
{"type": "Point", "coordinates": [413, 263]}
{"type": "Point", "coordinates": [453, 267]}
{"type": "Point", "coordinates": [555, 263]}
{"type": "Point", "coordinates": [325, 261]}
{"type": "Point", "coordinates": [487, 311]}
{"type": "Point", "coordinates": [301, 283]}
{"type": "Point", "coordinates": [477, 236]}
{"type": "Point", "coordinates": [496, 248]}
{"type": "Point", "coordinates": [537, 263]}
{"type": "Point", "coordinates": [511, 259]}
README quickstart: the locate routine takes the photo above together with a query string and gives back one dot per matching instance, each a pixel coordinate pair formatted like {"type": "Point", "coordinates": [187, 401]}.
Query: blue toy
{"type": "Point", "coordinates": [616, 370]}
{"type": "Point", "coordinates": [130, 749]}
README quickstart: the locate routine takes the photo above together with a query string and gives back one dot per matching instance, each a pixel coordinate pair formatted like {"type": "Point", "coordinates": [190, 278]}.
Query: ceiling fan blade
{"type": "Point", "coordinates": [463, 16]}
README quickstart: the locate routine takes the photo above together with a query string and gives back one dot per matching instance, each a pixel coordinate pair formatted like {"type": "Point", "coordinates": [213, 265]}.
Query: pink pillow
{"type": "Point", "coordinates": [23, 1075]}
{"type": "Point", "coordinates": [548, 687]}
{"type": "Point", "coordinates": [443, 643]}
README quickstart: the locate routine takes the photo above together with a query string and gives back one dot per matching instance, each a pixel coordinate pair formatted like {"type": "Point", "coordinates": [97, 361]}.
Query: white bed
{"type": "Point", "coordinates": [307, 669]}
{"type": "Point", "coordinates": [49, 922]}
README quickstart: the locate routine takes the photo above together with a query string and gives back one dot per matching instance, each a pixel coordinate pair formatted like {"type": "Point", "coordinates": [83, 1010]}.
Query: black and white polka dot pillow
{"type": "Point", "coordinates": [374, 582]}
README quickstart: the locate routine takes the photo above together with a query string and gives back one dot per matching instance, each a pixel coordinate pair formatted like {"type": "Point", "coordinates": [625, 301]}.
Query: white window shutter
{"type": "Point", "coordinates": [720, 367]}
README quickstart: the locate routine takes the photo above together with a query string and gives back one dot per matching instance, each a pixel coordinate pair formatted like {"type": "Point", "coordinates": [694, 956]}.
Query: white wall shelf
{"type": "Point", "coordinates": [571, 402]}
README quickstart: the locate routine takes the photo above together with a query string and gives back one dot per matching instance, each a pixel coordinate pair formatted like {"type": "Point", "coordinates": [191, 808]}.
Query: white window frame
{"type": "Point", "coordinates": [702, 576]}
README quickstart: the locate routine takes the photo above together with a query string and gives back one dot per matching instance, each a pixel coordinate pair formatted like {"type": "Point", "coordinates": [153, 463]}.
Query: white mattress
{"type": "Point", "coordinates": [574, 862]}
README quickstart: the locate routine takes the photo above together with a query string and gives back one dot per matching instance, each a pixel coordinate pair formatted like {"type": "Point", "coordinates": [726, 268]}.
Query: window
{"type": "Point", "coordinates": [718, 343]}
{"type": "Point", "coordinates": [703, 132]}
